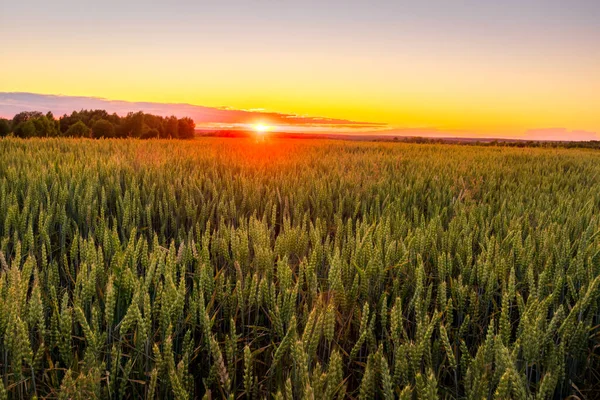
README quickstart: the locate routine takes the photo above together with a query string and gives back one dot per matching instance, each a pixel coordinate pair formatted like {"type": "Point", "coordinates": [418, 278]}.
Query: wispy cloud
{"type": "Point", "coordinates": [14, 102]}
{"type": "Point", "coordinates": [230, 118]}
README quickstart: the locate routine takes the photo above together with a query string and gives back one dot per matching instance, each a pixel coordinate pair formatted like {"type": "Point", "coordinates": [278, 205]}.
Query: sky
{"type": "Point", "coordinates": [527, 68]}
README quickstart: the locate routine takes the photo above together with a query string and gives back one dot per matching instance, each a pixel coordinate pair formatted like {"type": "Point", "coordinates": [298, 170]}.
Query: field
{"type": "Point", "coordinates": [225, 268]}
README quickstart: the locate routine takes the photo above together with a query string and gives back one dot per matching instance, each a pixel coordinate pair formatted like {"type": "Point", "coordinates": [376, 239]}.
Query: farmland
{"type": "Point", "coordinates": [225, 268]}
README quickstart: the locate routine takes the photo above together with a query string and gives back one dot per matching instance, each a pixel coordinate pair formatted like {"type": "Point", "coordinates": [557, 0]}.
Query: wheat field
{"type": "Point", "coordinates": [297, 269]}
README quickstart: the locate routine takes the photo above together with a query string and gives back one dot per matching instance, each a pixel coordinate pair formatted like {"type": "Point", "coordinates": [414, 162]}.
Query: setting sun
{"type": "Point", "coordinates": [261, 128]}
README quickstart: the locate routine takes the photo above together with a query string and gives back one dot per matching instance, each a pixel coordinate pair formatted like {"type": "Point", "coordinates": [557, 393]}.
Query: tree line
{"type": "Point", "coordinates": [97, 124]}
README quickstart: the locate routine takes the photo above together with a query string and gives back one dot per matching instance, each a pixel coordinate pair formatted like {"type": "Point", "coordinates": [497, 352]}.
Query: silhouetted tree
{"type": "Point", "coordinates": [78, 129]}
{"type": "Point", "coordinates": [98, 123]}
{"type": "Point", "coordinates": [25, 116]}
{"type": "Point", "coordinates": [66, 121]}
{"type": "Point", "coordinates": [133, 125]}
{"type": "Point", "coordinates": [150, 134]}
{"type": "Point", "coordinates": [4, 127]}
{"type": "Point", "coordinates": [186, 128]}
{"type": "Point", "coordinates": [25, 129]}
{"type": "Point", "coordinates": [88, 117]}
{"type": "Point", "coordinates": [171, 127]}
{"type": "Point", "coordinates": [151, 123]}
{"type": "Point", "coordinates": [45, 127]}
{"type": "Point", "coordinates": [103, 129]}
{"type": "Point", "coordinates": [35, 125]}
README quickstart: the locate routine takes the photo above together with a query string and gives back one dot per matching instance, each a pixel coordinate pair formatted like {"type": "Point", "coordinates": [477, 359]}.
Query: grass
{"type": "Point", "coordinates": [224, 268]}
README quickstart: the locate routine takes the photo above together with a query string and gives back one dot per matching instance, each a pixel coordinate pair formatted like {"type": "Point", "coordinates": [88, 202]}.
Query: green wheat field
{"type": "Point", "coordinates": [297, 269]}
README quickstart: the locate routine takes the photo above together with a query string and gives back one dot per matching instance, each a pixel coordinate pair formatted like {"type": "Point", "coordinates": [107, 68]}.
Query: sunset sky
{"type": "Point", "coordinates": [528, 68]}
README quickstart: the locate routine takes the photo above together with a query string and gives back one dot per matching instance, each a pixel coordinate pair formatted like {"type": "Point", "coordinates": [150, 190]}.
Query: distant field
{"type": "Point", "coordinates": [225, 268]}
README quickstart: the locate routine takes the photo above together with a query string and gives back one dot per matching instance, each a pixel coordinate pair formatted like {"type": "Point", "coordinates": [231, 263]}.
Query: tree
{"type": "Point", "coordinates": [45, 127]}
{"type": "Point", "coordinates": [79, 129]}
{"type": "Point", "coordinates": [133, 125]}
{"type": "Point", "coordinates": [4, 127]}
{"type": "Point", "coordinates": [25, 129]}
{"type": "Point", "coordinates": [171, 127]}
{"type": "Point", "coordinates": [152, 122]}
{"type": "Point", "coordinates": [98, 123]}
{"type": "Point", "coordinates": [103, 129]}
{"type": "Point", "coordinates": [25, 116]}
{"type": "Point", "coordinates": [88, 117]}
{"type": "Point", "coordinates": [151, 134]}
{"type": "Point", "coordinates": [186, 128]}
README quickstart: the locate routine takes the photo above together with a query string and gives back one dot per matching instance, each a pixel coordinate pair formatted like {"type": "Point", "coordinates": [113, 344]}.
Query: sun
{"type": "Point", "coordinates": [261, 128]}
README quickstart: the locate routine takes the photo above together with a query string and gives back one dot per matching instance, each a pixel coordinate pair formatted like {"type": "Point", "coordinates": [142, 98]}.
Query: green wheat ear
{"type": "Point", "coordinates": [248, 372]}
{"type": "Point", "coordinates": [310, 269]}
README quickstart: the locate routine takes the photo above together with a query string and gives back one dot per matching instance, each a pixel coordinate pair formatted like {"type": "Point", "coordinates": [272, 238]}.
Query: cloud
{"type": "Point", "coordinates": [219, 118]}
{"type": "Point", "coordinates": [14, 102]}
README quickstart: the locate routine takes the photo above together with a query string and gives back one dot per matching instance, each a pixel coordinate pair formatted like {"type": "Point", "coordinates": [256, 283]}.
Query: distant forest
{"type": "Point", "coordinates": [97, 124]}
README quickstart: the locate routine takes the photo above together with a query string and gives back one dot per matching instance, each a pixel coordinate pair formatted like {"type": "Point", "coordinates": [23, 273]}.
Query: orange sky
{"type": "Point", "coordinates": [479, 70]}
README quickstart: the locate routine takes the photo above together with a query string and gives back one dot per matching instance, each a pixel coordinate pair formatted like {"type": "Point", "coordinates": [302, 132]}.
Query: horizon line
{"type": "Point", "coordinates": [224, 117]}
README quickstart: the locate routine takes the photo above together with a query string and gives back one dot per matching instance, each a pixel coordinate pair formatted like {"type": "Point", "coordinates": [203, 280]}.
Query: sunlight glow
{"type": "Point", "coordinates": [261, 128]}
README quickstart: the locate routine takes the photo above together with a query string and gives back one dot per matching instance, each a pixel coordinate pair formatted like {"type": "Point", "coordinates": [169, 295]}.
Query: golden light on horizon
{"type": "Point", "coordinates": [261, 129]}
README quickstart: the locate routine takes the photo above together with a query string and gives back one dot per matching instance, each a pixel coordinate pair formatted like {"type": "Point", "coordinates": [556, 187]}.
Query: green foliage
{"type": "Point", "coordinates": [103, 129]}
{"type": "Point", "coordinates": [4, 127]}
{"type": "Point", "coordinates": [78, 129]}
{"type": "Point", "coordinates": [45, 126]}
{"type": "Point", "coordinates": [171, 129]}
{"type": "Point", "coordinates": [35, 124]}
{"type": "Point", "coordinates": [186, 128]}
{"type": "Point", "coordinates": [295, 269]}
{"type": "Point", "coordinates": [98, 124]}
{"type": "Point", "coordinates": [132, 125]}
{"type": "Point", "coordinates": [25, 129]}
{"type": "Point", "coordinates": [25, 116]}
